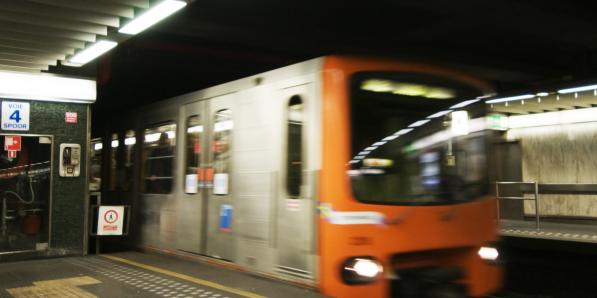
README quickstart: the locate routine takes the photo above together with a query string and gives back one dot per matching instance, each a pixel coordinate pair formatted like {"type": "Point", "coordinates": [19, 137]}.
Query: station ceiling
{"type": "Point", "coordinates": [516, 45]}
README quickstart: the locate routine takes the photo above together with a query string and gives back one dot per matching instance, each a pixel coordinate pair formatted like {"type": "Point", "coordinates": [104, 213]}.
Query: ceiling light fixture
{"type": "Point", "coordinates": [577, 89]}
{"type": "Point", "coordinates": [542, 94]}
{"type": "Point", "coordinates": [152, 16]}
{"type": "Point", "coordinates": [419, 123]}
{"type": "Point", "coordinates": [464, 103]}
{"type": "Point", "coordinates": [511, 98]}
{"type": "Point", "coordinates": [97, 49]}
{"type": "Point", "coordinates": [439, 114]}
{"type": "Point", "coordinates": [403, 131]}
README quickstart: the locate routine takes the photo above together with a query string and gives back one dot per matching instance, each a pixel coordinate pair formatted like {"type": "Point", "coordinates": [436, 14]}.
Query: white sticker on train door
{"type": "Point", "coordinates": [221, 184]}
{"type": "Point", "coordinates": [191, 183]}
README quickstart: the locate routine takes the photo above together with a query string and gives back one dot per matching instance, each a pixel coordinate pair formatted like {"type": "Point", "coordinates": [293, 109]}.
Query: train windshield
{"type": "Point", "coordinates": [416, 140]}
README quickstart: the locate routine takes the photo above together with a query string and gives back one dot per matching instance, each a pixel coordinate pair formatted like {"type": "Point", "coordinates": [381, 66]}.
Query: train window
{"type": "Point", "coordinates": [410, 145]}
{"type": "Point", "coordinates": [294, 152]}
{"type": "Point", "coordinates": [95, 177]}
{"type": "Point", "coordinates": [222, 139]}
{"type": "Point", "coordinates": [130, 142]}
{"type": "Point", "coordinates": [158, 159]}
{"type": "Point", "coordinates": [193, 154]}
{"type": "Point", "coordinates": [113, 162]}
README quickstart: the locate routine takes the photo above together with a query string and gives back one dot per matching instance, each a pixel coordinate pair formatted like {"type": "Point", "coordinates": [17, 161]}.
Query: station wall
{"type": "Point", "coordinates": [560, 154]}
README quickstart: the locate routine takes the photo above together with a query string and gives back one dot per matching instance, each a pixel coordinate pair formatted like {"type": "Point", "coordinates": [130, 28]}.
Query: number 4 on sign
{"type": "Point", "coordinates": [16, 116]}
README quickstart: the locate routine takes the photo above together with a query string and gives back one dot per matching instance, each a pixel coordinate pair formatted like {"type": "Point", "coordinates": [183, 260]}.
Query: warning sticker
{"type": "Point", "coordinates": [110, 220]}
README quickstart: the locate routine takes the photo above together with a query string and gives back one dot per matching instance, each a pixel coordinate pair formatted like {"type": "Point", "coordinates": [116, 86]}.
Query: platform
{"type": "Point", "coordinates": [550, 230]}
{"type": "Point", "coordinates": [135, 274]}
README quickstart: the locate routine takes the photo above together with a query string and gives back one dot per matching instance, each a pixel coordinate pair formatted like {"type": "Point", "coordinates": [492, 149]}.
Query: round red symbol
{"type": "Point", "coordinates": [111, 216]}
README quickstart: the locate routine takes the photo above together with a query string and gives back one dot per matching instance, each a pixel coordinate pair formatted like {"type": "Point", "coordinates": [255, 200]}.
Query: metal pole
{"type": "Point", "coordinates": [536, 205]}
{"type": "Point", "coordinates": [97, 237]}
{"type": "Point", "coordinates": [497, 203]}
{"type": "Point", "coordinates": [4, 215]}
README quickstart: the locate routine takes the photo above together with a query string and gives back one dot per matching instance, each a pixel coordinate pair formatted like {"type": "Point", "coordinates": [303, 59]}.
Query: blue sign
{"type": "Point", "coordinates": [225, 218]}
{"type": "Point", "coordinates": [15, 115]}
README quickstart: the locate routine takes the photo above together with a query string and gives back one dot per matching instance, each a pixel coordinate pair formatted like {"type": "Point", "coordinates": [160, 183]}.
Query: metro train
{"type": "Point", "coordinates": [361, 177]}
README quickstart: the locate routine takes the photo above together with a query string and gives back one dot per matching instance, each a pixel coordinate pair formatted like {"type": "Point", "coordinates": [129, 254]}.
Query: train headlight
{"type": "Point", "coordinates": [361, 270]}
{"type": "Point", "coordinates": [488, 253]}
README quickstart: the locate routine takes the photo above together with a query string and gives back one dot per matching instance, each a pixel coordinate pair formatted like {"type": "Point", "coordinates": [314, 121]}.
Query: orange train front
{"type": "Point", "coordinates": [404, 204]}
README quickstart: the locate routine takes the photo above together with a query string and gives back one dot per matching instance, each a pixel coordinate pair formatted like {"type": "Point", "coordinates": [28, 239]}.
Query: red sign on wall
{"type": "Point", "coordinates": [12, 143]}
{"type": "Point", "coordinates": [70, 117]}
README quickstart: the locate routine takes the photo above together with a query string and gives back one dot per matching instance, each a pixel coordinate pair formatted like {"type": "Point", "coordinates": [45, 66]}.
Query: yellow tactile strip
{"type": "Point", "coordinates": [146, 283]}
{"type": "Point", "coordinates": [186, 277]}
{"type": "Point", "coordinates": [57, 288]}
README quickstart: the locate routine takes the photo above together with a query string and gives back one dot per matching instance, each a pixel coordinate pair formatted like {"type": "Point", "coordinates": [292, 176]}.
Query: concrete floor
{"type": "Point", "coordinates": [134, 274]}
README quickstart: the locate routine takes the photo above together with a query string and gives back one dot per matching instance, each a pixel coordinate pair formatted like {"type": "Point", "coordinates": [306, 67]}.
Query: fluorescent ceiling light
{"type": "Point", "coordinates": [46, 87]}
{"type": "Point", "coordinates": [419, 123]}
{"type": "Point", "coordinates": [370, 148]}
{"type": "Point", "coordinates": [511, 98]}
{"type": "Point", "coordinates": [114, 143]}
{"type": "Point", "coordinates": [92, 52]}
{"type": "Point", "coordinates": [439, 114]}
{"type": "Point", "coordinates": [577, 89]}
{"type": "Point", "coordinates": [403, 131]}
{"type": "Point", "coordinates": [390, 138]}
{"type": "Point", "coordinates": [152, 16]}
{"type": "Point", "coordinates": [97, 146]}
{"type": "Point", "coordinates": [364, 152]}
{"type": "Point", "coordinates": [474, 125]}
{"type": "Point", "coordinates": [378, 143]}
{"type": "Point", "coordinates": [542, 94]}
{"type": "Point", "coordinates": [464, 103]}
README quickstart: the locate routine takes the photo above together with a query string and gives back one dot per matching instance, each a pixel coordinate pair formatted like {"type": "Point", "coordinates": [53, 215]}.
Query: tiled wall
{"type": "Point", "coordinates": [560, 154]}
{"type": "Point", "coordinates": [68, 194]}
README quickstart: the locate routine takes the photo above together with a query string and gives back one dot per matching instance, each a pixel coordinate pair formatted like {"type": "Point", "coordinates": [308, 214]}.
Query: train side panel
{"type": "Point", "coordinates": [269, 230]}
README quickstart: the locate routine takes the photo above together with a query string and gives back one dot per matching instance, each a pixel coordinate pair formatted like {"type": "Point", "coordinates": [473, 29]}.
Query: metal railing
{"type": "Point", "coordinates": [523, 198]}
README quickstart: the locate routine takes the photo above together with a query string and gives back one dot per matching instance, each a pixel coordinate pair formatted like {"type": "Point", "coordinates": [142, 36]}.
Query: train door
{"type": "Point", "coordinates": [296, 225]}
{"type": "Point", "coordinates": [220, 196]}
{"type": "Point", "coordinates": [192, 204]}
